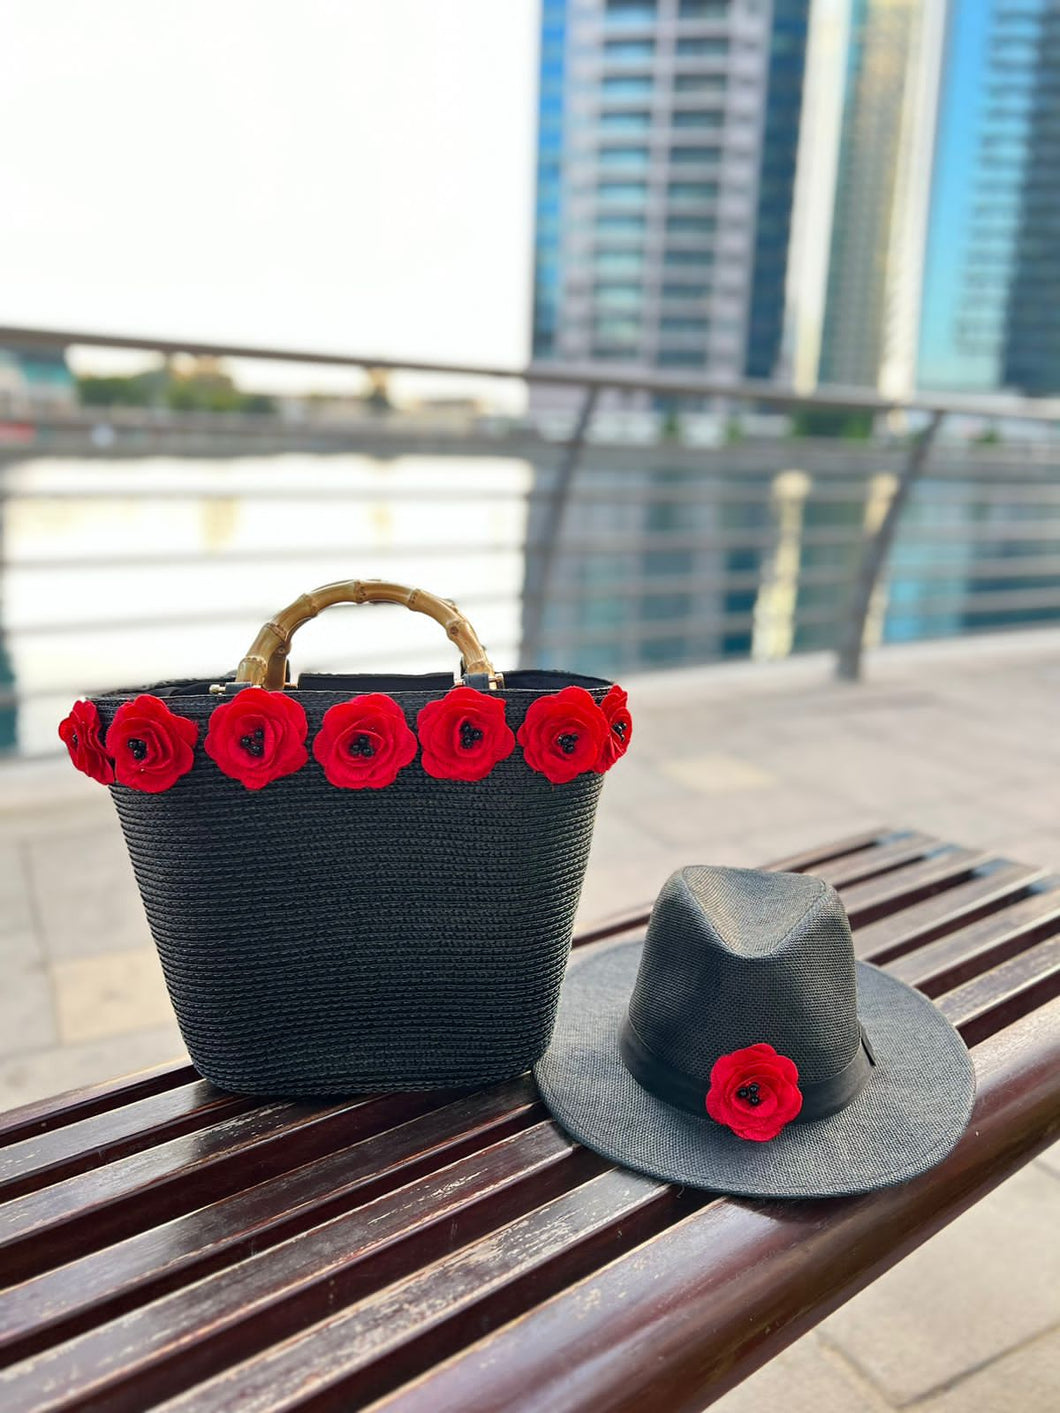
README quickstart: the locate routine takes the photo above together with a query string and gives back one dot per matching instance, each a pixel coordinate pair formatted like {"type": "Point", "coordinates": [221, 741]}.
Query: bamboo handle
{"type": "Point", "coordinates": [265, 664]}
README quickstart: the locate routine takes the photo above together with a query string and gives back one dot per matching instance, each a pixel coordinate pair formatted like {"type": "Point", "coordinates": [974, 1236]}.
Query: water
{"type": "Point", "coordinates": [130, 571]}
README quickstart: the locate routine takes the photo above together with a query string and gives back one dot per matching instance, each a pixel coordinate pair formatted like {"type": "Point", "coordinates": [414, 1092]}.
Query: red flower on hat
{"type": "Point", "coordinates": [363, 743]}
{"type": "Point", "coordinates": [258, 736]}
{"type": "Point", "coordinates": [151, 746]}
{"type": "Point", "coordinates": [80, 733]}
{"type": "Point", "coordinates": [620, 733]}
{"type": "Point", "coordinates": [754, 1091]}
{"type": "Point", "coordinates": [563, 734]}
{"type": "Point", "coordinates": [464, 735]}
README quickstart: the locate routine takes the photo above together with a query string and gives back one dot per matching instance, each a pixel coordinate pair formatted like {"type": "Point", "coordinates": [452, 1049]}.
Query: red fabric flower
{"type": "Point", "coordinates": [563, 734]}
{"type": "Point", "coordinates": [620, 733]}
{"type": "Point", "coordinates": [81, 735]}
{"type": "Point", "coordinates": [363, 743]}
{"type": "Point", "coordinates": [258, 736]}
{"type": "Point", "coordinates": [754, 1091]}
{"type": "Point", "coordinates": [464, 735]}
{"type": "Point", "coordinates": [151, 747]}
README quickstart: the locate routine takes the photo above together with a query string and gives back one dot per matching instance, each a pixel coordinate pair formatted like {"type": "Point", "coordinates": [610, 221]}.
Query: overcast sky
{"type": "Point", "coordinates": [350, 175]}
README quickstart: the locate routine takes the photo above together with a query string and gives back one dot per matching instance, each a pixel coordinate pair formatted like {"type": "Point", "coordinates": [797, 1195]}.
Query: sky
{"type": "Point", "coordinates": [341, 175]}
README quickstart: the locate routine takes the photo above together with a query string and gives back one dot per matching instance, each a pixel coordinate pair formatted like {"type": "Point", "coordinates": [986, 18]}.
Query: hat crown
{"type": "Point", "coordinates": [737, 956]}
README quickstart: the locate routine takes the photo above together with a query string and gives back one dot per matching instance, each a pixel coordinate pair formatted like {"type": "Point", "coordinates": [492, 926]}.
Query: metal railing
{"type": "Point", "coordinates": [724, 548]}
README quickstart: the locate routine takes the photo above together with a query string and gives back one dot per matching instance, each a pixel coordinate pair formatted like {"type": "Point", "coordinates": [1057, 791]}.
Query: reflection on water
{"type": "Point", "coordinates": [131, 571]}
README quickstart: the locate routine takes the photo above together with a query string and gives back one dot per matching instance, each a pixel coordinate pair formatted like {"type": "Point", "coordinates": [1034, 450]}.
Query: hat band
{"type": "Point", "coordinates": [819, 1100]}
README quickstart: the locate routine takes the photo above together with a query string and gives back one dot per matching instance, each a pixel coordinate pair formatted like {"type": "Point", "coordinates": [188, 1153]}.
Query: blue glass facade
{"type": "Point", "coordinates": [549, 209]}
{"type": "Point", "coordinates": [787, 63]}
{"type": "Point", "coordinates": [992, 270]}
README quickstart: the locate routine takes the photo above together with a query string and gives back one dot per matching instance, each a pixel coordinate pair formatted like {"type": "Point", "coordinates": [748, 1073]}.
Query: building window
{"type": "Point", "coordinates": [696, 118]}
{"type": "Point", "coordinates": [614, 294]}
{"type": "Point", "coordinates": [629, 51]}
{"type": "Point", "coordinates": [699, 83]}
{"type": "Point", "coordinates": [618, 262]}
{"type": "Point", "coordinates": [692, 191]}
{"type": "Point", "coordinates": [620, 122]}
{"type": "Point", "coordinates": [700, 48]}
{"type": "Point", "coordinates": [685, 291]}
{"type": "Point", "coordinates": [682, 324]}
{"type": "Point", "coordinates": [624, 157]}
{"type": "Point", "coordinates": [703, 9]}
{"type": "Point", "coordinates": [694, 156]}
{"type": "Point", "coordinates": [621, 89]}
{"type": "Point", "coordinates": [622, 191]}
{"type": "Point", "coordinates": [690, 225]}
{"type": "Point", "coordinates": [635, 12]}
{"type": "Point", "coordinates": [688, 258]}
{"type": "Point", "coordinates": [614, 329]}
{"type": "Point", "coordinates": [620, 225]}
{"type": "Point", "coordinates": [681, 358]}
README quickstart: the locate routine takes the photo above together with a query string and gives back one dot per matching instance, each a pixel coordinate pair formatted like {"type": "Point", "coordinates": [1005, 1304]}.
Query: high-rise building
{"type": "Point", "coordinates": [666, 159]}
{"type": "Point", "coordinates": [993, 262]}
{"type": "Point", "coordinates": [862, 192]}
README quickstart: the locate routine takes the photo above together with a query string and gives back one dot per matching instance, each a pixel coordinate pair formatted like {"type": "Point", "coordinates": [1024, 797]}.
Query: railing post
{"type": "Point", "coordinates": [874, 554]}
{"type": "Point", "coordinates": [541, 558]}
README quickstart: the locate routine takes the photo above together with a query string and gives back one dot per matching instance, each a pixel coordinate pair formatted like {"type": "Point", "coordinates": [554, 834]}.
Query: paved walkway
{"type": "Point", "coordinates": [736, 764]}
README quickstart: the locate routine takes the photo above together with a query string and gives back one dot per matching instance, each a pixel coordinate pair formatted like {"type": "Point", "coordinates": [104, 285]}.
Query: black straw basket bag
{"type": "Point", "coordinates": [358, 882]}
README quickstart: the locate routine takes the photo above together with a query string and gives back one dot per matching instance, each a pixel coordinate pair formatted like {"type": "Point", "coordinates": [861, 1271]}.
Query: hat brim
{"type": "Point", "coordinates": [911, 1112]}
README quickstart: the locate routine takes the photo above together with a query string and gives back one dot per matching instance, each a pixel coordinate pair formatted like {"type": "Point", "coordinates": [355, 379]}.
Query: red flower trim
{"type": "Point", "coordinates": [563, 734]}
{"type": "Point", "coordinates": [151, 747]}
{"type": "Point", "coordinates": [82, 736]}
{"type": "Point", "coordinates": [620, 729]}
{"type": "Point", "coordinates": [755, 1092]}
{"type": "Point", "coordinates": [464, 735]}
{"type": "Point", "coordinates": [363, 743]}
{"type": "Point", "coordinates": [258, 736]}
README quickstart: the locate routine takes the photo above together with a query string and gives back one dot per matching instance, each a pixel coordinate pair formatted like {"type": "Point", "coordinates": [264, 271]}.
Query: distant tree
{"type": "Point", "coordinates": [832, 422]}
{"type": "Point", "coordinates": [206, 388]}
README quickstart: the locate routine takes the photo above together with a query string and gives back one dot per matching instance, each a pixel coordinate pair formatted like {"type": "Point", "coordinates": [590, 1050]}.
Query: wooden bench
{"type": "Point", "coordinates": [162, 1242]}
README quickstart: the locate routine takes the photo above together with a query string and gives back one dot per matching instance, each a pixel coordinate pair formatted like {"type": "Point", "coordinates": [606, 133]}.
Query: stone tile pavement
{"type": "Point", "coordinates": [736, 764]}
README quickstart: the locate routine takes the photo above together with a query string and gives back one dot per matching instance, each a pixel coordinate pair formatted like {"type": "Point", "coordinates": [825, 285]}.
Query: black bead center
{"type": "Point", "coordinates": [469, 735]}
{"type": "Point", "coordinates": [254, 744]}
{"type": "Point", "coordinates": [73, 739]}
{"type": "Point", "coordinates": [567, 742]}
{"type": "Point", "coordinates": [749, 1094]}
{"type": "Point", "coordinates": [362, 746]}
{"type": "Point", "coordinates": [137, 748]}
{"type": "Point", "coordinates": [619, 728]}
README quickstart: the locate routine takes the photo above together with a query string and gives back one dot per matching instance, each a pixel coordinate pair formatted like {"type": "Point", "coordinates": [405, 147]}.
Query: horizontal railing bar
{"type": "Point", "coordinates": [638, 589]}
{"type": "Point", "coordinates": [711, 490]}
{"type": "Point", "coordinates": [560, 375]}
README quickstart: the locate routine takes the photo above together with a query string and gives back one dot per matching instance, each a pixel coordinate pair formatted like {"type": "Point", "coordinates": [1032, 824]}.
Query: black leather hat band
{"type": "Point", "coordinates": [819, 1100]}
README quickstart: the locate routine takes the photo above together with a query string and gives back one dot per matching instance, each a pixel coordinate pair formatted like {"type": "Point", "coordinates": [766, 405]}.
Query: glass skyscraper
{"type": "Point", "coordinates": [993, 255]}
{"type": "Point", "coordinates": [666, 159]}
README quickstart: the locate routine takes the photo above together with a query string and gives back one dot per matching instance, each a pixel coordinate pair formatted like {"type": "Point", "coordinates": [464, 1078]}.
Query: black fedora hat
{"type": "Point", "coordinates": [741, 1048]}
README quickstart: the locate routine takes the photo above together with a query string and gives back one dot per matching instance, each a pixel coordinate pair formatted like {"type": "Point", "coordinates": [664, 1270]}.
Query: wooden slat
{"type": "Point", "coordinates": [87, 1290]}
{"type": "Point", "coordinates": [809, 858]}
{"type": "Point", "coordinates": [43, 1115]}
{"type": "Point", "coordinates": [86, 1212]}
{"type": "Point", "coordinates": [1001, 995]}
{"type": "Point", "coordinates": [992, 887]}
{"type": "Point", "coordinates": [958, 956]}
{"type": "Point", "coordinates": [408, 1325]}
{"type": "Point", "coordinates": [195, 1332]}
{"type": "Point", "coordinates": [865, 902]}
{"type": "Point", "coordinates": [686, 1316]}
{"type": "Point", "coordinates": [870, 863]}
{"type": "Point", "coordinates": [115, 1133]}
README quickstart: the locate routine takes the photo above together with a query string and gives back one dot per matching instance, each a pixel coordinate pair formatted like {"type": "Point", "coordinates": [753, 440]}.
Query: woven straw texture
{"type": "Point", "coordinates": [912, 1111]}
{"type": "Point", "coordinates": [316, 940]}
